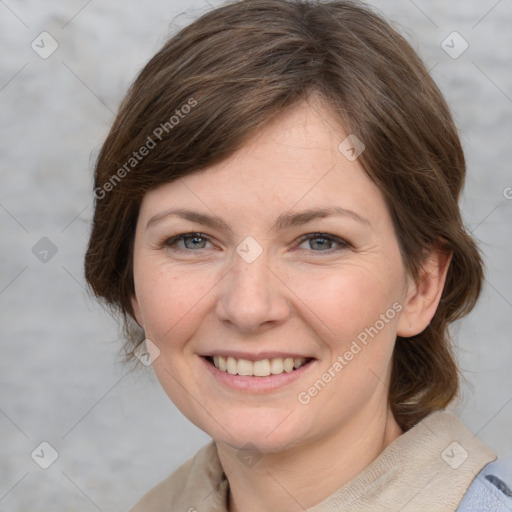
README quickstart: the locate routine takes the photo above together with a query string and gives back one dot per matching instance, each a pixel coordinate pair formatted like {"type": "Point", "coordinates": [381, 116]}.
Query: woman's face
{"type": "Point", "coordinates": [247, 275]}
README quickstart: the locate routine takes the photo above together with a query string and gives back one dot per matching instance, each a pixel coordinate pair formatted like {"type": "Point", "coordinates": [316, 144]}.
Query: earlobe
{"type": "Point", "coordinates": [424, 293]}
{"type": "Point", "coordinates": [136, 311]}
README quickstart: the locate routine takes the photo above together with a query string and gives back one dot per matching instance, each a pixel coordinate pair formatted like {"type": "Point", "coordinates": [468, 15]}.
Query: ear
{"type": "Point", "coordinates": [136, 310]}
{"type": "Point", "coordinates": [425, 292]}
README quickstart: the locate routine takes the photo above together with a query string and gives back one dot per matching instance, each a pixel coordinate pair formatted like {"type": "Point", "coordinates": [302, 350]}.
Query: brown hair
{"type": "Point", "coordinates": [220, 79]}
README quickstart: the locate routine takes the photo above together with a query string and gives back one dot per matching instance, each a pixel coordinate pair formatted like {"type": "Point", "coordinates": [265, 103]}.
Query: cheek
{"type": "Point", "coordinates": [361, 308]}
{"type": "Point", "coordinates": [348, 300]}
{"type": "Point", "coordinates": [173, 305]}
{"type": "Point", "coordinates": [171, 300]}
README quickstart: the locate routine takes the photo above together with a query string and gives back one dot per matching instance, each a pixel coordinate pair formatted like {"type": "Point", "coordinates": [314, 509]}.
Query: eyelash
{"type": "Point", "coordinates": [170, 243]}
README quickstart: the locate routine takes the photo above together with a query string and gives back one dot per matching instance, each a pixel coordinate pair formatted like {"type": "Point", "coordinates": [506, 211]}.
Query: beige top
{"type": "Point", "coordinates": [428, 468]}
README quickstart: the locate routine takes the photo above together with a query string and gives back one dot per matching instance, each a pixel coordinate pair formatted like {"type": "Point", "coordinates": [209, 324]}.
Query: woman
{"type": "Point", "coordinates": [276, 216]}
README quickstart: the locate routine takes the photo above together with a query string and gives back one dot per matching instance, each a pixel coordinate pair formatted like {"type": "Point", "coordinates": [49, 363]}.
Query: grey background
{"type": "Point", "coordinates": [116, 433]}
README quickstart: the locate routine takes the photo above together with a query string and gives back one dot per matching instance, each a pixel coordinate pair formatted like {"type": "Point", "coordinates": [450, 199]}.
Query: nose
{"type": "Point", "coordinates": [252, 297]}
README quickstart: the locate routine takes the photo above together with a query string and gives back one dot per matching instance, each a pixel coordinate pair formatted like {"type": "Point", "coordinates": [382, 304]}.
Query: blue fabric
{"type": "Point", "coordinates": [491, 490]}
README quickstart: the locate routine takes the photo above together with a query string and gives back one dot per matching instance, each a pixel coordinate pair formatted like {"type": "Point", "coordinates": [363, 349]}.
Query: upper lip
{"type": "Point", "coordinates": [254, 357]}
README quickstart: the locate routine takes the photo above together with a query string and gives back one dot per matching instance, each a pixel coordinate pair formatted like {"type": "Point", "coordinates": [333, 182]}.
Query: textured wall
{"type": "Point", "coordinates": [116, 434]}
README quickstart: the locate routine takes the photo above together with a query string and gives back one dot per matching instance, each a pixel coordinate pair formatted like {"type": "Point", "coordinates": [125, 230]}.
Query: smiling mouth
{"type": "Point", "coordinates": [260, 368]}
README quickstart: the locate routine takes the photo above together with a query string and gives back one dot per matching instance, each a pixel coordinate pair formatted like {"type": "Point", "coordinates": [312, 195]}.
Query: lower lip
{"type": "Point", "coordinates": [256, 384]}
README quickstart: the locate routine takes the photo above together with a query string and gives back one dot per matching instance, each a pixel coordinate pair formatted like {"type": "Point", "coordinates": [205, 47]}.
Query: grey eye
{"type": "Point", "coordinates": [320, 243]}
{"type": "Point", "coordinates": [194, 242]}
{"type": "Point", "coordinates": [190, 241]}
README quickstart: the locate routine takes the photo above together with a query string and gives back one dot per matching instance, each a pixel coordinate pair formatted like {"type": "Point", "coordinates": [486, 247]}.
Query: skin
{"type": "Point", "coordinates": [311, 297]}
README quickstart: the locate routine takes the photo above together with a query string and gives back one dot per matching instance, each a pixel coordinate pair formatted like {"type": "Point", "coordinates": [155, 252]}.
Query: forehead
{"type": "Point", "coordinates": [293, 162]}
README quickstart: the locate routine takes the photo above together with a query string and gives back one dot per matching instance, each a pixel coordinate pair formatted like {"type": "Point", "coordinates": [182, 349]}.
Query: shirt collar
{"type": "Point", "coordinates": [429, 467]}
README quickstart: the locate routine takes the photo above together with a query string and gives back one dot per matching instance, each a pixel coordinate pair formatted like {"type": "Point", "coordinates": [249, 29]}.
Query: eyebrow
{"type": "Point", "coordinates": [284, 220]}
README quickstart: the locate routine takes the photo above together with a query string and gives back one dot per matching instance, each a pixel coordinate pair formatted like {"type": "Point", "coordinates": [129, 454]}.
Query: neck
{"type": "Point", "coordinates": [302, 477]}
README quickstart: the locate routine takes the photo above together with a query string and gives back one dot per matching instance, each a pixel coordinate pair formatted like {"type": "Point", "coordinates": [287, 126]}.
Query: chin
{"type": "Point", "coordinates": [272, 433]}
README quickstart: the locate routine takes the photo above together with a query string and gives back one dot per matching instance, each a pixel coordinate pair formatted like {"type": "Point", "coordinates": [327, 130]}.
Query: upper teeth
{"type": "Point", "coordinates": [261, 368]}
